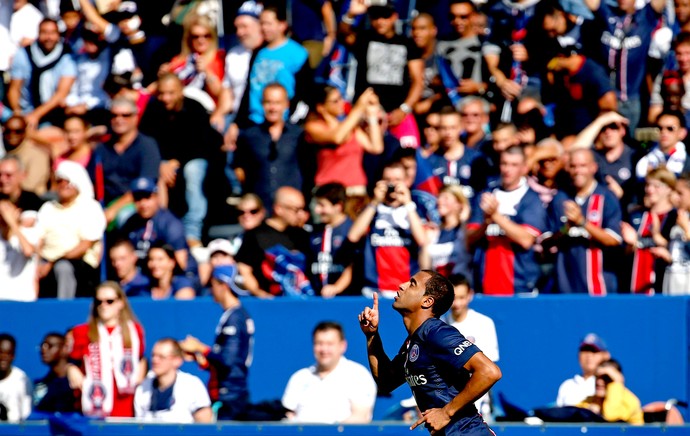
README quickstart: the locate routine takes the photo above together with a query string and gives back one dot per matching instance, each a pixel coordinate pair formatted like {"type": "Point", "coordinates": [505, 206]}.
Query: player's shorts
{"type": "Point", "coordinates": [469, 426]}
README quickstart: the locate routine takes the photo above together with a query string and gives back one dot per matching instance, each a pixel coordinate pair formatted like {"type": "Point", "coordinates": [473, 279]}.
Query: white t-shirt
{"type": "Point", "coordinates": [481, 331]}
{"type": "Point", "coordinates": [329, 400]}
{"type": "Point", "coordinates": [189, 395]}
{"type": "Point", "coordinates": [25, 23]}
{"type": "Point", "coordinates": [15, 394]}
{"type": "Point", "coordinates": [575, 390]}
{"type": "Point", "coordinates": [236, 72]}
{"type": "Point", "coordinates": [62, 228]}
{"type": "Point", "coordinates": [7, 48]}
{"type": "Point", "coordinates": [18, 272]}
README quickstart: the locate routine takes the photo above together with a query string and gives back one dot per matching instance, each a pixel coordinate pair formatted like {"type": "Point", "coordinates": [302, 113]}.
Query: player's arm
{"type": "Point", "coordinates": [485, 374]}
{"type": "Point", "coordinates": [382, 368]}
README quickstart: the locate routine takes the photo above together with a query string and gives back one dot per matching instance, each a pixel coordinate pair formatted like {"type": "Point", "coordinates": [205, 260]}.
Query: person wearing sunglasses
{"type": "Point", "coordinates": [670, 150]}
{"type": "Point", "coordinates": [107, 357]}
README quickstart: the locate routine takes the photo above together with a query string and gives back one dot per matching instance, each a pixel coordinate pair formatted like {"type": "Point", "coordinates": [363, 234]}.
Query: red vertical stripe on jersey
{"type": "Point", "coordinates": [643, 261]}
{"type": "Point", "coordinates": [500, 280]}
{"type": "Point", "coordinates": [393, 267]}
{"type": "Point", "coordinates": [595, 265]}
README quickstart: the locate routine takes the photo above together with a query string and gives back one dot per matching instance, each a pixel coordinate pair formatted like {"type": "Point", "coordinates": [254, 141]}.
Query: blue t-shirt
{"type": "Point", "coordinates": [280, 64]}
{"type": "Point", "coordinates": [432, 361]}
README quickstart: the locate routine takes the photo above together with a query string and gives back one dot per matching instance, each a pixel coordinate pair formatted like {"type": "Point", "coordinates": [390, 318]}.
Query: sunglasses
{"type": "Point", "coordinates": [249, 211]}
{"type": "Point", "coordinates": [8, 131]}
{"type": "Point", "coordinates": [668, 128]}
{"type": "Point", "coordinates": [123, 115]}
{"type": "Point", "coordinates": [462, 17]}
{"type": "Point", "coordinates": [107, 301]}
{"type": "Point", "coordinates": [201, 36]}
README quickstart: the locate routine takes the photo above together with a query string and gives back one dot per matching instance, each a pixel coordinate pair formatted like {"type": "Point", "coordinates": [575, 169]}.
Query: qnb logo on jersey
{"type": "Point", "coordinates": [416, 380]}
{"type": "Point", "coordinates": [462, 347]}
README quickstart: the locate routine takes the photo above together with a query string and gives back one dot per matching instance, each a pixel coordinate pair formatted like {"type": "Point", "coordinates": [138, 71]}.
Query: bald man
{"type": "Point", "coordinates": [280, 242]}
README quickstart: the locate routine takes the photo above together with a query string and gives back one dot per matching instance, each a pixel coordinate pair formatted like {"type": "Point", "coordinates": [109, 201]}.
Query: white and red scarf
{"type": "Point", "coordinates": [109, 360]}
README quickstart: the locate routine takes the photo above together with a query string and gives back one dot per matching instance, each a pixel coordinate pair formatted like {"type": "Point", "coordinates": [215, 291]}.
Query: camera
{"type": "Point", "coordinates": [391, 189]}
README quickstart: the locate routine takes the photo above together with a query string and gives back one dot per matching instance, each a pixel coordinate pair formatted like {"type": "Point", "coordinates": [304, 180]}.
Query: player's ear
{"type": "Point", "coordinates": [428, 302]}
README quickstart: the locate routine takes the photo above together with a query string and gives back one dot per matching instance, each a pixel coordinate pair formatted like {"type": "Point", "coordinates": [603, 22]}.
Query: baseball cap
{"type": "Point", "coordinates": [381, 9]}
{"type": "Point", "coordinates": [226, 274]}
{"type": "Point", "coordinates": [250, 8]}
{"type": "Point", "coordinates": [144, 185]}
{"type": "Point", "coordinates": [592, 342]}
{"type": "Point", "coordinates": [220, 245]}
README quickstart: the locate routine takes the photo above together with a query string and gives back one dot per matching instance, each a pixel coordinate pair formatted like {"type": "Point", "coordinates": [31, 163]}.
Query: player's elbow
{"type": "Point", "coordinates": [494, 373]}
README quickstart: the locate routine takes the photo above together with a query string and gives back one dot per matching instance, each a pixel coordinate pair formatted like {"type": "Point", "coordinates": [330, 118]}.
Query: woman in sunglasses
{"type": "Point", "coordinates": [110, 349]}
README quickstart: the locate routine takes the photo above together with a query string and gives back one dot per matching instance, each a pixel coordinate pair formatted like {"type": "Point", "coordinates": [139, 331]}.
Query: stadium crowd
{"type": "Point", "coordinates": [520, 148]}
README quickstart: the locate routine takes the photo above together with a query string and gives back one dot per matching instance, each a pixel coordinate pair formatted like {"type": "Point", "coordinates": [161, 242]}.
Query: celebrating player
{"type": "Point", "coordinates": [447, 373]}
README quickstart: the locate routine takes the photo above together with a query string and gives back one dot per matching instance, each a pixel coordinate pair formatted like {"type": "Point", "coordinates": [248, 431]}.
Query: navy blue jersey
{"type": "Point", "coordinates": [229, 360]}
{"type": "Point", "coordinates": [469, 171]}
{"type": "Point", "coordinates": [325, 262]}
{"type": "Point", "coordinates": [432, 362]}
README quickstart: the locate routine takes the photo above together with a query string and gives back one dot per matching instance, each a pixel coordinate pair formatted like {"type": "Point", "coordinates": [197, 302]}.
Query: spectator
{"type": "Point", "coordinates": [11, 177]}
{"type": "Point", "coordinates": [183, 150]}
{"type": "Point", "coordinates": [126, 156]}
{"type": "Point", "coordinates": [34, 159]}
{"type": "Point", "coordinates": [42, 75]}
{"type": "Point", "coordinates": [624, 52]}
{"type": "Point", "coordinates": [78, 148]}
{"type": "Point", "coordinates": [504, 136]}
{"type": "Point", "coordinates": [464, 53]}
{"type": "Point", "coordinates": [267, 154]}
{"type": "Point", "coordinates": [168, 394]}
{"type": "Point", "coordinates": [18, 246]}
{"type": "Point", "coordinates": [52, 393]}
{"type": "Point", "coordinates": [392, 232]}
{"type": "Point", "coordinates": [281, 60]}
{"type": "Point", "coordinates": [681, 49]}
{"type": "Point", "coordinates": [231, 355]}
{"type": "Point", "coordinates": [314, 26]}
{"type": "Point", "coordinates": [476, 327]}
{"type": "Point", "coordinates": [446, 251]}
{"type": "Point", "coordinates": [71, 233]}
{"type": "Point", "coordinates": [615, 158]}
{"type": "Point", "coordinates": [389, 63]}
{"type": "Point", "coordinates": [474, 113]}
{"type": "Point", "coordinates": [648, 230]}
{"type": "Point", "coordinates": [107, 358]}
{"type": "Point", "coordinates": [670, 151]}
{"type": "Point", "coordinates": [251, 213]}
{"type": "Point", "coordinates": [123, 259]}
{"type": "Point", "coordinates": [200, 66]}
{"type": "Point", "coordinates": [432, 139]}
{"type": "Point", "coordinates": [547, 169]}
{"type": "Point", "coordinates": [24, 24]}
{"type": "Point", "coordinates": [220, 252]}
{"type": "Point", "coordinates": [166, 277]}
{"type": "Point", "coordinates": [457, 164]}
{"type": "Point", "coordinates": [340, 145]}
{"type": "Point", "coordinates": [434, 96]}
{"type": "Point", "coordinates": [15, 386]}
{"type": "Point", "coordinates": [611, 399]}
{"type": "Point", "coordinates": [279, 235]}
{"type": "Point", "coordinates": [153, 224]}
{"type": "Point", "coordinates": [584, 223]}
{"type": "Point", "coordinates": [330, 266]}
{"type": "Point", "coordinates": [507, 223]}
{"type": "Point", "coordinates": [677, 254]}
{"type": "Point", "coordinates": [591, 352]}
{"type": "Point", "coordinates": [335, 390]}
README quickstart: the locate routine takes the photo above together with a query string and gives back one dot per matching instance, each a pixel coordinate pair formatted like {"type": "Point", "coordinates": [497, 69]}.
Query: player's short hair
{"type": "Point", "coordinates": [442, 290]}
{"type": "Point", "coordinates": [329, 325]}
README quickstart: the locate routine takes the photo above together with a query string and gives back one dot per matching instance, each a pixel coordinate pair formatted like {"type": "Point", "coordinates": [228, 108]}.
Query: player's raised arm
{"type": "Point", "coordinates": [381, 367]}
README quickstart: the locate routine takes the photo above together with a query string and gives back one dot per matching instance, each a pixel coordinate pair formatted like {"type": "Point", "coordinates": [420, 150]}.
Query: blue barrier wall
{"type": "Point", "coordinates": [538, 338]}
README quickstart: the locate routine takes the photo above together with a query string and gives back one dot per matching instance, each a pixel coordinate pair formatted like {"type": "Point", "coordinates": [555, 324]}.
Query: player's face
{"type": "Point", "coordinates": [411, 293]}
{"type": "Point", "coordinates": [163, 359]}
{"type": "Point", "coordinates": [6, 355]}
{"type": "Point", "coordinates": [328, 348]}
{"type": "Point", "coordinates": [462, 299]}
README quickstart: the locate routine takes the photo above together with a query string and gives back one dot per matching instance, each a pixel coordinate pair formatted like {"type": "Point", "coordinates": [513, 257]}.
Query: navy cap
{"type": "Point", "coordinates": [250, 8]}
{"type": "Point", "coordinates": [592, 342]}
{"type": "Point", "coordinates": [143, 184]}
{"type": "Point", "coordinates": [226, 274]}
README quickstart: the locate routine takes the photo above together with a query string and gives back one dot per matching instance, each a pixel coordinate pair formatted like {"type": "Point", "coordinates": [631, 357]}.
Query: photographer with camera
{"type": "Point", "coordinates": [611, 399]}
{"type": "Point", "coordinates": [392, 232]}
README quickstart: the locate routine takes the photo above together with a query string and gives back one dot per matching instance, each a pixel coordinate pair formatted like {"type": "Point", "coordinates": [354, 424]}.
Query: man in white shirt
{"type": "Point", "coordinates": [15, 387]}
{"type": "Point", "coordinates": [591, 353]}
{"type": "Point", "coordinates": [334, 389]}
{"type": "Point", "coordinates": [24, 23]}
{"type": "Point", "coordinates": [168, 394]}
{"type": "Point", "coordinates": [476, 327]}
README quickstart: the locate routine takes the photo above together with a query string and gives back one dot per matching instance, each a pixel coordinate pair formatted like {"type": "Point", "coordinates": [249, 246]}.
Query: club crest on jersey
{"type": "Point", "coordinates": [414, 353]}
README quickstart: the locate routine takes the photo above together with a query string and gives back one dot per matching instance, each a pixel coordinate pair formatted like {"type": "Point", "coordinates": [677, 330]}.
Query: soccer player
{"type": "Point", "coordinates": [447, 373]}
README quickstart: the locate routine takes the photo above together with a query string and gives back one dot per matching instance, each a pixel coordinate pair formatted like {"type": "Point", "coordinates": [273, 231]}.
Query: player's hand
{"type": "Point", "coordinates": [434, 420]}
{"type": "Point", "coordinates": [369, 318]}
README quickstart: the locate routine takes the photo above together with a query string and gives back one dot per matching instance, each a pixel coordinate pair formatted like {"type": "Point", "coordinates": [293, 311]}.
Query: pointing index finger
{"type": "Point", "coordinates": [375, 306]}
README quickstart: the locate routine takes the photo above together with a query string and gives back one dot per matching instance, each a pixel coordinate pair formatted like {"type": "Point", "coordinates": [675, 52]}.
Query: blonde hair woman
{"type": "Point", "coordinates": [110, 347]}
